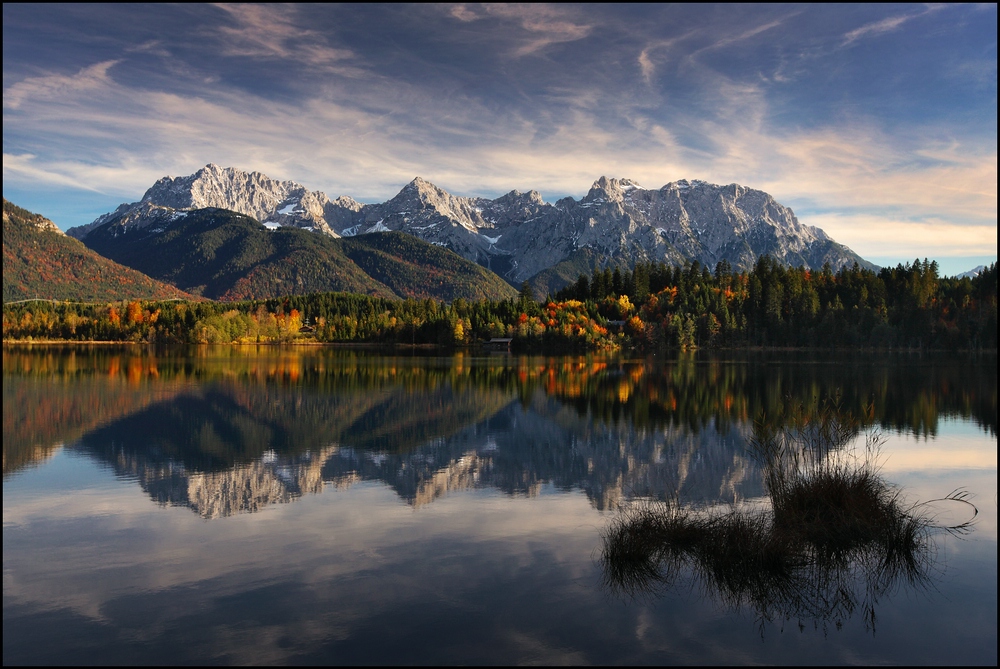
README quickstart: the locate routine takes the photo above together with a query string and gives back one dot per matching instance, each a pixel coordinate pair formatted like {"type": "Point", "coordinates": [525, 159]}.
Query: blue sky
{"type": "Point", "coordinates": [876, 123]}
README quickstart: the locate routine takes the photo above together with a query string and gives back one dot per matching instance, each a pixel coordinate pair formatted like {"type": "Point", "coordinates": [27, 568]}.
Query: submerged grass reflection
{"type": "Point", "coordinates": [834, 540]}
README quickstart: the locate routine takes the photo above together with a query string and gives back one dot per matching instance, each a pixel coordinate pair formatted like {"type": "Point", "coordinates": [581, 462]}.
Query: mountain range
{"type": "Point", "coordinates": [518, 235]}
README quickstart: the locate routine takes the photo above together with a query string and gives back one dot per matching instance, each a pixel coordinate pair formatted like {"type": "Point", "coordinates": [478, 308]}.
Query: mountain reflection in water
{"type": "Point", "coordinates": [226, 431]}
{"type": "Point", "coordinates": [163, 507]}
{"type": "Point", "coordinates": [834, 539]}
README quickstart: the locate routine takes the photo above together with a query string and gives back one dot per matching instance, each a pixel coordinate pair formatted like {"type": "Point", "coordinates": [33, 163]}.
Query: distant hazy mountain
{"type": "Point", "coordinates": [224, 255]}
{"type": "Point", "coordinates": [972, 273]}
{"type": "Point", "coordinates": [518, 235]}
{"type": "Point", "coordinates": [39, 261]}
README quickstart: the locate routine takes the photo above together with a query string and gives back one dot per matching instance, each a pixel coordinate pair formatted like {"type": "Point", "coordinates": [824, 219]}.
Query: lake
{"type": "Point", "coordinates": [317, 505]}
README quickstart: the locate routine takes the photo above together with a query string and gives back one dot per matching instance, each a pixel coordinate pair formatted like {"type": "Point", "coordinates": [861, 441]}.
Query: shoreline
{"type": "Point", "coordinates": [9, 343]}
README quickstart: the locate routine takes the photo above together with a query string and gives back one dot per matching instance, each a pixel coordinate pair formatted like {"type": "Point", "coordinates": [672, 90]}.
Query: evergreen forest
{"type": "Point", "coordinates": [651, 307]}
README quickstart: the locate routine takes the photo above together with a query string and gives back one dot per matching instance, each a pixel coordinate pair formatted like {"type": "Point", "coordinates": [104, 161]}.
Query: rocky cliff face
{"type": "Point", "coordinates": [27, 219]}
{"type": "Point", "coordinates": [273, 203]}
{"type": "Point", "coordinates": [519, 235]}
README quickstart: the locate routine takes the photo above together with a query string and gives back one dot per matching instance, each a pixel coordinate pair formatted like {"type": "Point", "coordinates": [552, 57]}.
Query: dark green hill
{"type": "Point", "coordinates": [550, 281]}
{"type": "Point", "coordinates": [39, 261]}
{"type": "Point", "coordinates": [412, 268]}
{"type": "Point", "coordinates": [224, 255]}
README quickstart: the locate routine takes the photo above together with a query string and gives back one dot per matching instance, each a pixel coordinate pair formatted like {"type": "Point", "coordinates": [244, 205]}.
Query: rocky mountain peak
{"type": "Point", "coordinates": [683, 185]}
{"type": "Point", "coordinates": [347, 202]}
{"type": "Point", "coordinates": [612, 189]}
{"type": "Point", "coordinates": [251, 193]}
{"type": "Point", "coordinates": [424, 190]}
{"type": "Point", "coordinates": [272, 202]}
{"type": "Point", "coordinates": [516, 197]}
{"type": "Point", "coordinates": [421, 195]}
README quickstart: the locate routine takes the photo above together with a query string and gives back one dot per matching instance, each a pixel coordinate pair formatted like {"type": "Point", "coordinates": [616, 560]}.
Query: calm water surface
{"type": "Point", "coordinates": [238, 506]}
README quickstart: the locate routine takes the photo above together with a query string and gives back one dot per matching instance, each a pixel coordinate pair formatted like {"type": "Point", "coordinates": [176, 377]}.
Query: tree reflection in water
{"type": "Point", "coordinates": [834, 539]}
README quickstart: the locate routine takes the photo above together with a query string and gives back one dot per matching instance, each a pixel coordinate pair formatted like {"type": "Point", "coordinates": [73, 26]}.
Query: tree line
{"type": "Point", "coordinates": [908, 306]}
{"type": "Point", "coordinates": [650, 307]}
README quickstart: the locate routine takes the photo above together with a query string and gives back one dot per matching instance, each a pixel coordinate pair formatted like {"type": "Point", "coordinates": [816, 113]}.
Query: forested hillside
{"type": "Point", "coordinates": [39, 261]}
{"type": "Point", "coordinates": [227, 256]}
{"type": "Point", "coordinates": [412, 268]}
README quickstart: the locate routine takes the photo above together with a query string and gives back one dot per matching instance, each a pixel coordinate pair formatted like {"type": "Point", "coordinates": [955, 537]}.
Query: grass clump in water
{"type": "Point", "coordinates": [835, 539]}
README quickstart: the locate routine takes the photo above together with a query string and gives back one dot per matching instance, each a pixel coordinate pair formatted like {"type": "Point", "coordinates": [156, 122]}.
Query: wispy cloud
{"type": "Point", "coordinates": [275, 31]}
{"type": "Point", "coordinates": [646, 64]}
{"type": "Point", "coordinates": [854, 170]}
{"type": "Point", "coordinates": [23, 167]}
{"type": "Point", "coordinates": [877, 236]}
{"type": "Point", "coordinates": [876, 28]}
{"type": "Point", "coordinates": [541, 25]}
{"type": "Point", "coordinates": [464, 13]}
{"type": "Point", "coordinates": [124, 178]}
{"type": "Point", "coordinates": [52, 86]}
{"type": "Point", "coordinates": [742, 36]}
{"type": "Point", "coordinates": [886, 25]}
{"type": "Point", "coordinates": [648, 57]}
{"type": "Point", "coordinates": [717, 39]}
